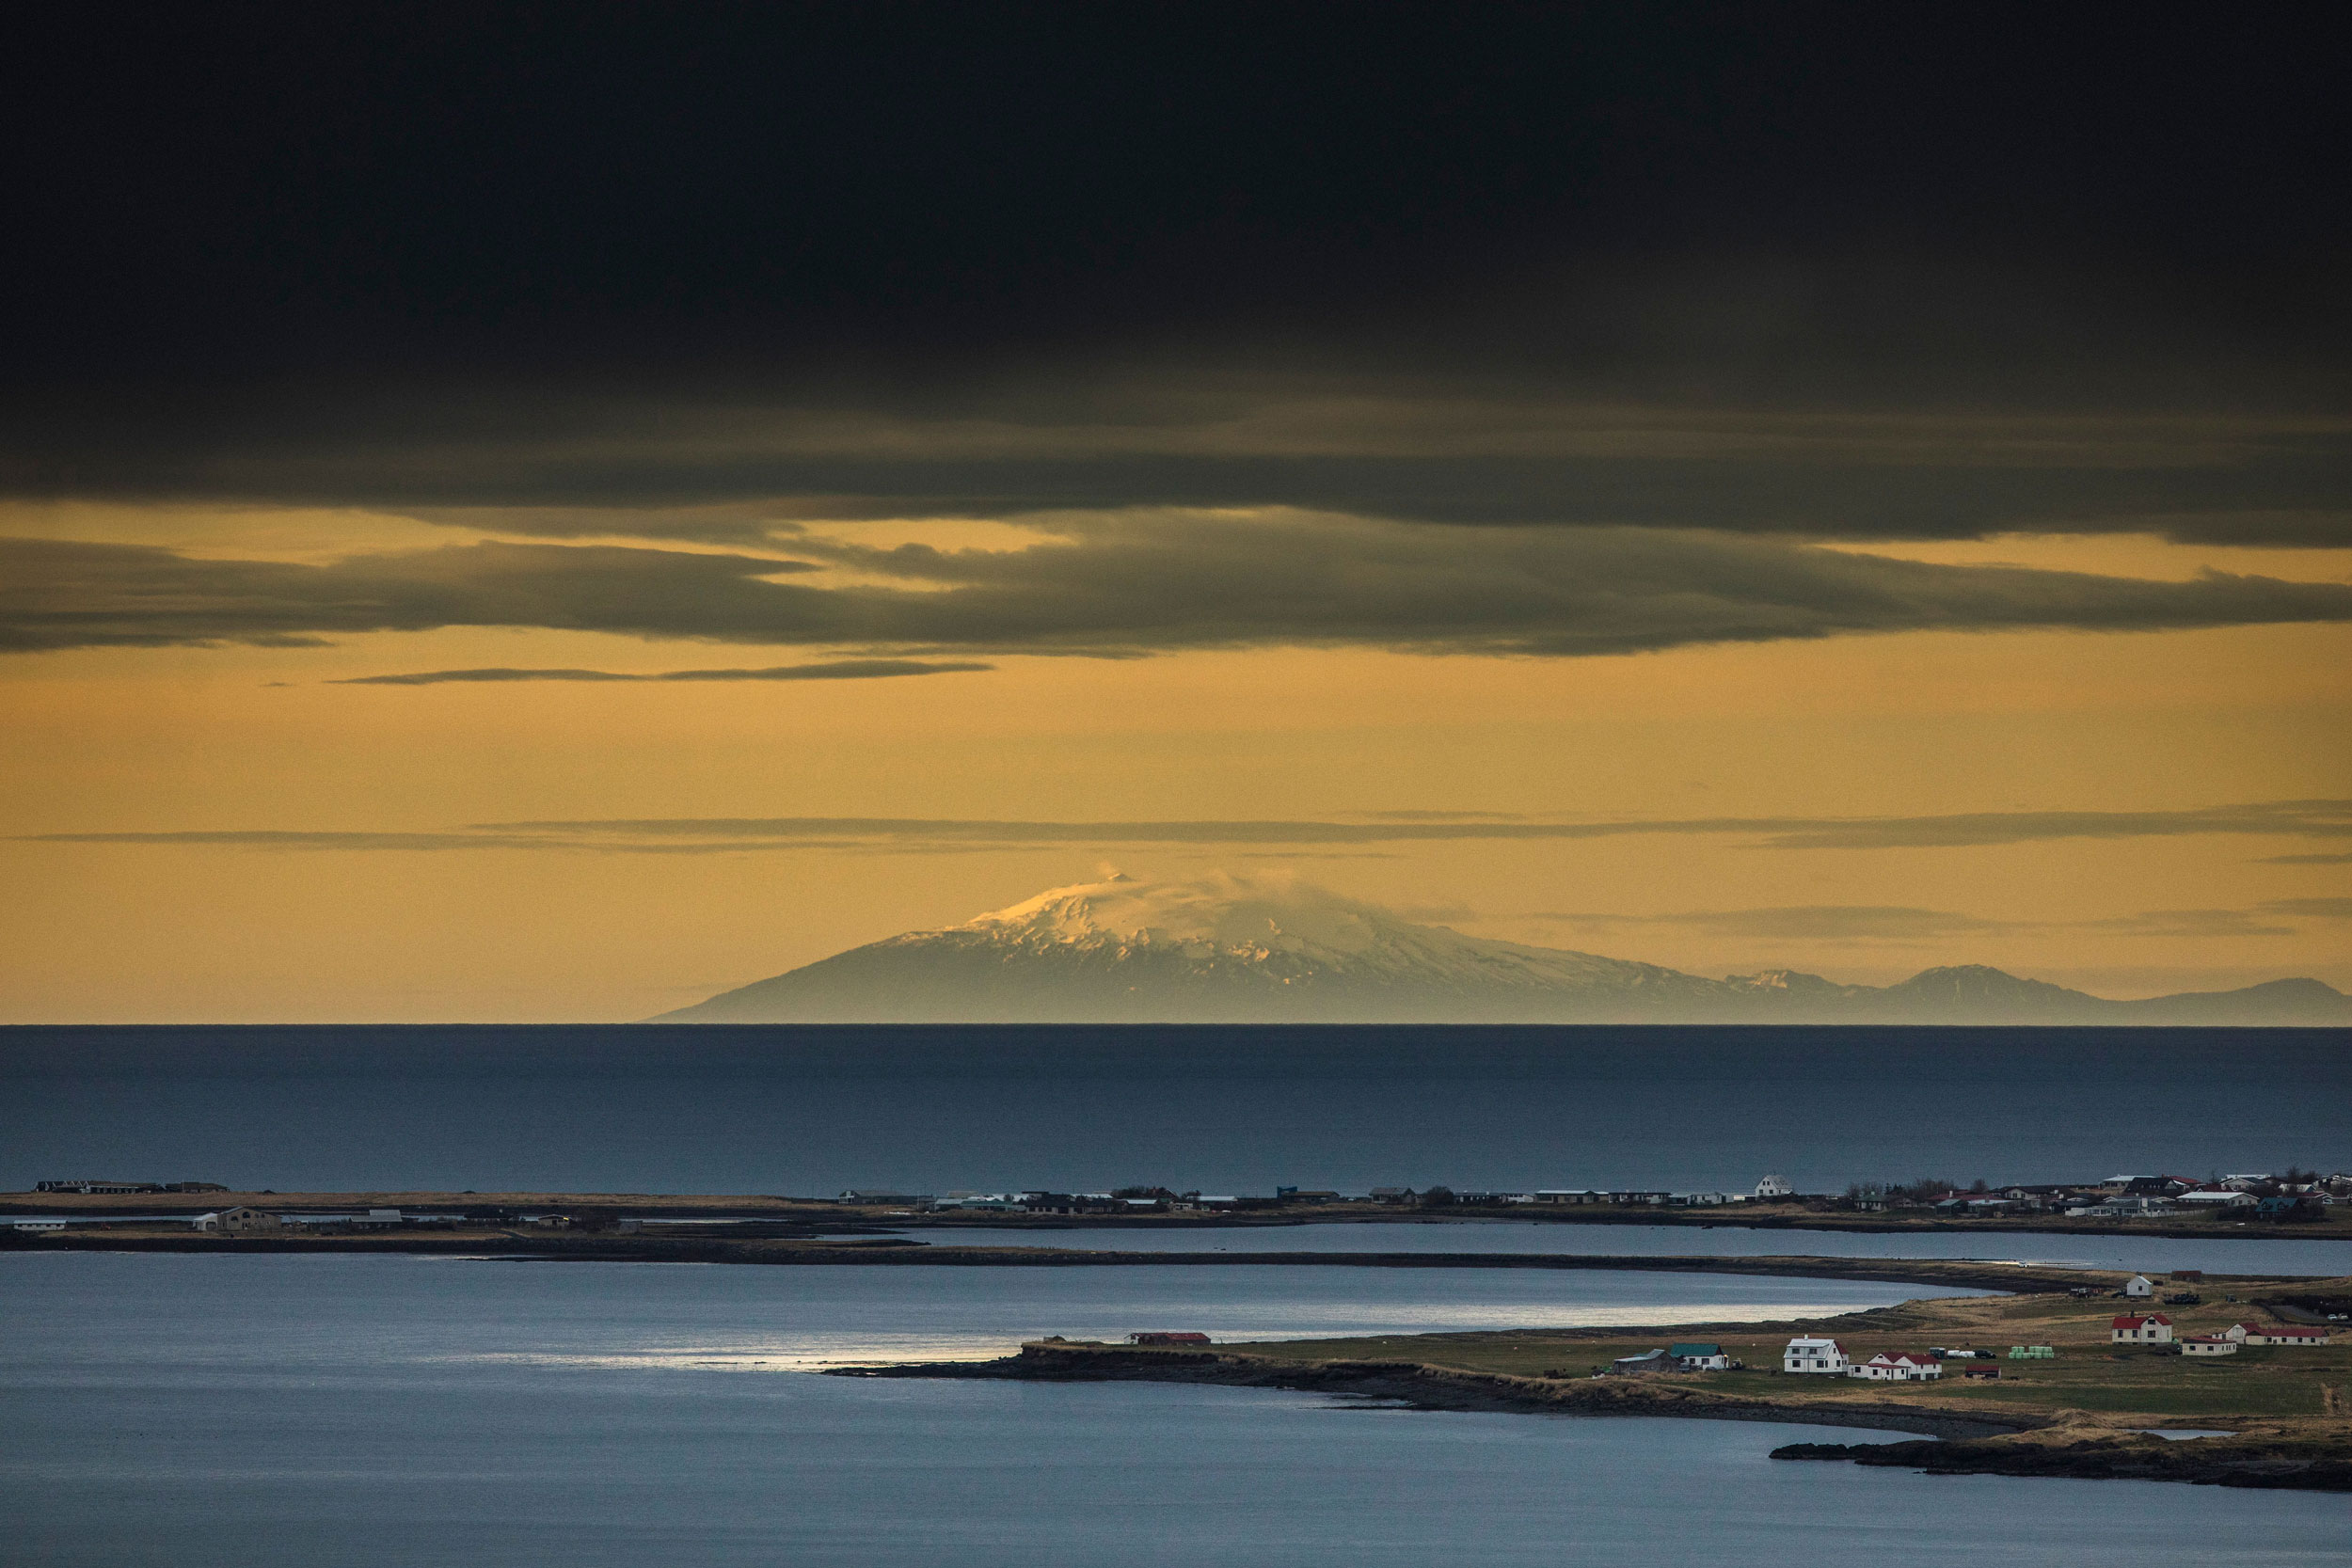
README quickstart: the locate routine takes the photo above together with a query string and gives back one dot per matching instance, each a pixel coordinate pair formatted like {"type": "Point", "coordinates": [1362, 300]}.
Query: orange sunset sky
{"type": "Point", "coordinates": [508, 561]}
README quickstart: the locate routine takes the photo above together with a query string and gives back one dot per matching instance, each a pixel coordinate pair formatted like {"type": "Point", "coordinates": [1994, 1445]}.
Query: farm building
{"type": "Point", "coordinates": [2153, 1329]}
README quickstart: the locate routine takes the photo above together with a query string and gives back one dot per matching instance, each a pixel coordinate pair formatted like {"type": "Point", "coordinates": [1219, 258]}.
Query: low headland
{"type": "Point", "coordinates": [2277, 1416]}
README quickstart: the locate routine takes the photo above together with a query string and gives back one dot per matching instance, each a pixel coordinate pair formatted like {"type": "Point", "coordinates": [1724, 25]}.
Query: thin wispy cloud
{"type": "Point", "coordinates": [898, 834]}
{"type": "Point", "coordinates": [836, 670]}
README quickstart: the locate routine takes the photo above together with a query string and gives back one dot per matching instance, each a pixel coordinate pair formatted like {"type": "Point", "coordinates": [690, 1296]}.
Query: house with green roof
{"type": "Point", "coordinates": [1700, 1356]}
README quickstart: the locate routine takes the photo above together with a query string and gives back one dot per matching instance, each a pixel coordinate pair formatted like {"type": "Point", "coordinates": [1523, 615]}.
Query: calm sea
{"type": "Point", "coordinates": [818, 1110]}
{"type": "Point", "coordinates": [188, 1412]}
{"type": "Point", "coordinates": [2147, 1255]}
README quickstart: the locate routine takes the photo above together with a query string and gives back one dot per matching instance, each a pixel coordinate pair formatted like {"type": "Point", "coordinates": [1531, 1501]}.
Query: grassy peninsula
{"type": "Point", "coordinates": [2089, 1412]}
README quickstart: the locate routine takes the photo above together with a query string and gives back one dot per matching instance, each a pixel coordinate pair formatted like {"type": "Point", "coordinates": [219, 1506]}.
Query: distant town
{"type": "Point", "coordinates": [2292, 1196]}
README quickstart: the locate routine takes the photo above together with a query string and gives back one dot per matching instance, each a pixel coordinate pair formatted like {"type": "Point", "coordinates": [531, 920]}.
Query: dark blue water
{"type": "Point", "coordinates": [240, 1412]}
{"type": "Point", "coordinates": [2151, 1255]}
{"type": "Point", "coordinates": [813, 1111]}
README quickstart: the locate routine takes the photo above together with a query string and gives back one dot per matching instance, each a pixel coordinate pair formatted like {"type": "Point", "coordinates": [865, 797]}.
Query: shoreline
{"type": "Point", "coordinates": [1957, 1274]}
{"type": "Point", "coordinates": [2063, 1444]}
{"type": "Point", "coordinates": [839, 1217]}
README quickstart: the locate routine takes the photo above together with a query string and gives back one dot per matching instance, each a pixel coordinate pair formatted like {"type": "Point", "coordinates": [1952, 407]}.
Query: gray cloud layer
{"type": "Point", "coordinates": [1903, 925]}
{"type": "Point", "coordinates": [2323, 819]}
{"type": "Point", "coordinates": [837, 669]}
{"type": "Point", "coordinates": [1122, 585]}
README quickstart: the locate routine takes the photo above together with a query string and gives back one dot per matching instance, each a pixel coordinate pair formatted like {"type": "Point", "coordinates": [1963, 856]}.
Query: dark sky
{"type": "Point", "coordinates": [2027, 204]}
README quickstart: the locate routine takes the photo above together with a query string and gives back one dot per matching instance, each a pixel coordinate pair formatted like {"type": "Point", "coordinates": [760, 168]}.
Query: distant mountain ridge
{"type": "Point", "coordinates": [1246, 950]}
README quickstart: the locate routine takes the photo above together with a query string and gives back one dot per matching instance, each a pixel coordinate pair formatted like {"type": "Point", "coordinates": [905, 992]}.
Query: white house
{"type": "Point", "coordinates": [1700, 1356]}
{"type": "Point", "coordinates": [2283, 1334]}
{"type": "Point", "coordinates": [1774, 1186]}
{"type": "Point", "coordinates": [2216, 1198]}
{"type": "Point", "coordinates": [239, 1222]}
{"type": "Point", "coordinates": [2209, 1344]}
{"type": "Point", "coordinates": [39, 1224]}
{"type": "Point", "coordinates": [1898, 1367]}
{"type": "Point", "coordinates": [2153, 1329]}
{"type": "Point", "coordinates": [2138, 1286]}
{"type": "Point", "coordinates": [1815, 1355]}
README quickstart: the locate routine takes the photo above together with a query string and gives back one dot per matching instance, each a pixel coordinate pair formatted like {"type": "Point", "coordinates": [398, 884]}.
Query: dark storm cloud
{"type": "Point", "coordinates": [740, 475]}
{"type": "Point", "coordinates": [836, 670]}
{"type": "Point", "coordinates": [696, 834]}
{"type": "Point", "coordinates": [1123, 586]}
{"type": "Point", "coordinates": [673, 268]}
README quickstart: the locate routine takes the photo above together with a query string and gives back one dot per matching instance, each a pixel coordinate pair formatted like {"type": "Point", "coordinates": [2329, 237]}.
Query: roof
{"type": "Point", "coordinates": [1904, 1357]}
{"type": "Point", "coordinates": [1807, 1339]}
{"type": "Point", "coordinates": [1697, 1349]}
{"type": "Point", "coordinates": [2150, 1318]}
{"type": "Point", "coordinates": [2208, 1340]}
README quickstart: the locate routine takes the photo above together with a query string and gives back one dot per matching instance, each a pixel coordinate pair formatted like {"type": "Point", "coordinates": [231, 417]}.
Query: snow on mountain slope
{"type": "Point", "coordinates": [1224, 948]}
{"type": "Point", "coordinates": [1232, 949]}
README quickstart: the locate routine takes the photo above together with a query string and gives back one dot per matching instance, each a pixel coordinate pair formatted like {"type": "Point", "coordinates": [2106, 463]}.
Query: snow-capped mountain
{"type": "Point", "coordinates": [1246, 949]}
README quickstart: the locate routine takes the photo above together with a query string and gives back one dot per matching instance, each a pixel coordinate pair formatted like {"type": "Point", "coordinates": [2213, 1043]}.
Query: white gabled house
{"type": "Point", "coordinates": [2153, 1329]}
{"type": "Point", "coordinates": [1898, 1367]}
{"type": "Point", "coordinates": [1825, 1357]}
{"type": "Point", "coordinates": [2140, 1285]}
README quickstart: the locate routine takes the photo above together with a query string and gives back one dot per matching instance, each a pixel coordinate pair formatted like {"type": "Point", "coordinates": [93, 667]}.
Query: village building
{"type": "Point", "coordinates": [1643, 1365]}
{"type": "Point", "coordinates": [2153, 1329]}
{"type": "Point", "coordinates": [1774, 1186]}
{"type": "Point", "coordinates": [1810, 1355]}
{"type": "Point", "coordinates": [2138, 1285]}
{"type": "Point", "coordinates": [2286, 1334]}
{"type": "Point", "coordinates": [1700, 1356]}
{"type": "Point", "coordinates": [1898, 1367]}
{"type": "Point", "coordinates": [240, 1221]}
{"type": "Point", "coordinates": [1179, 1337]}
{"type": "Point", "coordinates": [2208, 1344]}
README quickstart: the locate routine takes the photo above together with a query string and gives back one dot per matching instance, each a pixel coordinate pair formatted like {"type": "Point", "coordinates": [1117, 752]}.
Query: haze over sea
{"type": "Point", "coordinates": [814, 1110]}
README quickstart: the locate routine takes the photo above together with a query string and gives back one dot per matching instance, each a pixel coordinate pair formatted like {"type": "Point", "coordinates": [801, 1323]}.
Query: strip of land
{"type": "Point", "coordinates": [528, 1246]}
{"type": "Point", "coordinates": [1795, 1214]}
{"type": "Point", "coordinates": [2090, 1412]}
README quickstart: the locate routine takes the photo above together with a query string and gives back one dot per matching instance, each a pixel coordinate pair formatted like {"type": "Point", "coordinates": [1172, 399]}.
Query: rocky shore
{"type": "Point", "coordinates": [2069, 1445]}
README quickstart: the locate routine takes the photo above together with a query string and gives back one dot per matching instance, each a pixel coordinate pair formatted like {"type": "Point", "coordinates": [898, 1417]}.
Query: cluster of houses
{"type": "Point", "coordinates": [2155, 1329]}
{"type": "Point", "coordinates": [2252, 1196]}
{"type": "Point", "coordinates": [89, 1185]}
{"type": "Point", "coordinates": [1812, 1356]}
{"type": "Point", "coordinates": [1163, 1200]}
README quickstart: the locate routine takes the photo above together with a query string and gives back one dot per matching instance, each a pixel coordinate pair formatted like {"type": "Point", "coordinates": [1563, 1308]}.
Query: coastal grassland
{"type": "Point", "coordinates": [2089, 1374]}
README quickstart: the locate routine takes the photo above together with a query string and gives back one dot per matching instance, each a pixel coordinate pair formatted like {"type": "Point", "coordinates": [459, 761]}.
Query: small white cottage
{"type": "Point", "coordinates": [2138, 1286]}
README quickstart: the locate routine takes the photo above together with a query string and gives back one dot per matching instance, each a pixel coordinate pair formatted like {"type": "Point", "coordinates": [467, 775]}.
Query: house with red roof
{"type": "Point", "coordinates": [2284, 1333]}
{"type": "Point", "coordinates": [1898, 1367]}
{"type": "Point", "coordinates": [2153, 1329]}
